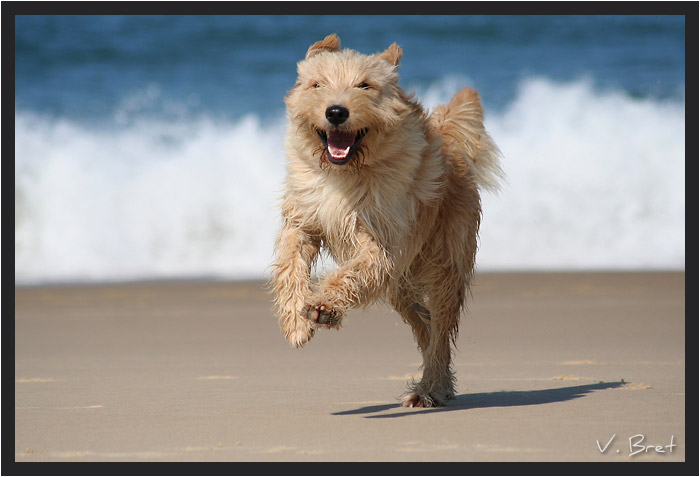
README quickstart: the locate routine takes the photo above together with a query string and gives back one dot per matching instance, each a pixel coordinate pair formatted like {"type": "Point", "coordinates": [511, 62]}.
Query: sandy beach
{"type": "Point", "coordinates": [550, 367]}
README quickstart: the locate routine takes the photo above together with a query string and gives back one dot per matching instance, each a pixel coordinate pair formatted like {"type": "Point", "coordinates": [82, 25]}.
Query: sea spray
{"type": "Point", "coordinates": [595, 180]}
{"type": "Point", "coordinates": [152, 200]}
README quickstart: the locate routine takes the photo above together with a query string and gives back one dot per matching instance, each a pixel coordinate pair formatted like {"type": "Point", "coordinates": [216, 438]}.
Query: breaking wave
{"type": "Point", "coordinates": [595, 180]}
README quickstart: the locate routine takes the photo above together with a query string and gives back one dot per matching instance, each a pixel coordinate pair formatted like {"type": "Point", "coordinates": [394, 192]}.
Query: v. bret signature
{"type": "Point", "coordinates": [636, 446]}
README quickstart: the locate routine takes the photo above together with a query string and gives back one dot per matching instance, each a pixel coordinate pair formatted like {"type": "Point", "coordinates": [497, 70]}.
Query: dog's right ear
{"type": "Point", "coordinates": [329, 43]}
{"type": "Point", "coordinates": [392, 54]}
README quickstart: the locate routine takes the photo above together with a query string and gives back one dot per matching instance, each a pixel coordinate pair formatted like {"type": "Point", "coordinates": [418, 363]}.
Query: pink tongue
{"type": "Point", "coordinates": [339, 142]}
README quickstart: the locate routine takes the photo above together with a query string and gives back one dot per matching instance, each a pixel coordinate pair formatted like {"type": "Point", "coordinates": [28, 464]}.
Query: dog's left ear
{"type": "Point", "coordinates": [329, 43]}
{"type": "Point", "coordinates": [392, 54]}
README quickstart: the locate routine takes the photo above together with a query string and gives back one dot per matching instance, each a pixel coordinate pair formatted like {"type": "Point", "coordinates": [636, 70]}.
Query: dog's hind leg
{"type": "Point", "coordinates": [296, 253]}
{"type": "Point", "coordinates": [412, 310]}
{"type": "Point", "coordinates": [436, 386]}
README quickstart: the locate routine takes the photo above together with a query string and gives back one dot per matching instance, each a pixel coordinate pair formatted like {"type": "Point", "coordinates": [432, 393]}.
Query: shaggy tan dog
{"type": "Point", "coordinates": [391, 193]}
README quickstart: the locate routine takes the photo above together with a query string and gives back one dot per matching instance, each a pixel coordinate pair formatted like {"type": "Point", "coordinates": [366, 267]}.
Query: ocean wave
{"type": "Point", "coordinates": [595, 181]}
{"type": "Point", "coordinates": [151, 200]}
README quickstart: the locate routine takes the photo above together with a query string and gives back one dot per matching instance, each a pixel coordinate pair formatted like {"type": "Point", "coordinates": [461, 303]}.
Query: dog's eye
{"type": "Point", "coordinates": [315, 85]}
{"type": "Point", "coordinates": [364, 86]}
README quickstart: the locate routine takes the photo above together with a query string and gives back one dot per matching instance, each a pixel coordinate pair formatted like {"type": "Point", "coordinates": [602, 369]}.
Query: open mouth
{"type": "Point", "coordinates": [341, 145]}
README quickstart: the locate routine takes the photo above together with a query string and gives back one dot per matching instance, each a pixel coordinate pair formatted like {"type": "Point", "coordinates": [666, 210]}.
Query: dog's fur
{"type": "Point", "coordinates": [400, 218]}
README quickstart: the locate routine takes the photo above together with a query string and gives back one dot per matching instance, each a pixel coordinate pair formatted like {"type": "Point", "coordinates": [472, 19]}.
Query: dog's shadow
{"type": "Point", "coordinates": [465, 402]}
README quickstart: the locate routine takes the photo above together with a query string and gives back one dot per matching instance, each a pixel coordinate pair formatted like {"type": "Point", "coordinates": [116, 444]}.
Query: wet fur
{"type": "Point", "coordinates": [400, 220]}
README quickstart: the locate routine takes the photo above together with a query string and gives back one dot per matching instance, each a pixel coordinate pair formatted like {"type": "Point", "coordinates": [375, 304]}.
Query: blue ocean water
{"type": "Point", "coordinates": [151, 146]}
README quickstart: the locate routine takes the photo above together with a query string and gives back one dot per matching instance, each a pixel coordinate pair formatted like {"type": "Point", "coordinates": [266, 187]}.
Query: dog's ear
{"type": "Point", "coordinates": [329, 43]}
{"type": "Point", "coordinates": [392, 54]}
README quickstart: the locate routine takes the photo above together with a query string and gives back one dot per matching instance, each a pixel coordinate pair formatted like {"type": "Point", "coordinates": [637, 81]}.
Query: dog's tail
{"type": "Point", "coordinates": [460, 124]}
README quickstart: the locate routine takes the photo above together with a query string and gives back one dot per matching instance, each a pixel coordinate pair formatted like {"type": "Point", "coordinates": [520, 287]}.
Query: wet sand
{"type": "Point", "coordinates": [550, 367]}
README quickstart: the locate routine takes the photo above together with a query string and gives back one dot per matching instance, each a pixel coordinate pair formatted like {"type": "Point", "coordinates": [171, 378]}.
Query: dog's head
{"type": "Point", "coordinates": [345, 103]}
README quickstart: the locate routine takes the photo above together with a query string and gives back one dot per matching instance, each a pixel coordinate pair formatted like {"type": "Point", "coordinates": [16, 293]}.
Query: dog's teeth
{"type": "Point", "coordinates": [340, 154]}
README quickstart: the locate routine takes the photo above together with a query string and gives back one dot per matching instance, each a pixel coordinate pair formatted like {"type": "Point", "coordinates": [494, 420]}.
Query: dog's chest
{"type": "Point", "coordinates": [341, 209]}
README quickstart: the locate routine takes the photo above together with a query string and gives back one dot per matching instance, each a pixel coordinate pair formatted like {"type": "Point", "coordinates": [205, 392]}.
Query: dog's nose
{"type": "Point", "coordinates": [337, 114]}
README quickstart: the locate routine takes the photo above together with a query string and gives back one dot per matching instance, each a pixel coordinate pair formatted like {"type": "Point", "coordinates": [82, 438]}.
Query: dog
{"type": "Point", "coordinates": [391, 193]}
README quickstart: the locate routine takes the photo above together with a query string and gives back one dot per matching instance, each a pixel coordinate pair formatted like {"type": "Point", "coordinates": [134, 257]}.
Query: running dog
{"type": "Point", "coordinates": [391, 192]}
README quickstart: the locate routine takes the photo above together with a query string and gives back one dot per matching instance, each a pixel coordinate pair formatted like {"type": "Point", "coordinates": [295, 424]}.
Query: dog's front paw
{"type": "Point", "coordinates": [299, 337]}
{"type": "Point", "coordinates": [298, 331]}
{"type": "Point", "coordinates": [323, 315]}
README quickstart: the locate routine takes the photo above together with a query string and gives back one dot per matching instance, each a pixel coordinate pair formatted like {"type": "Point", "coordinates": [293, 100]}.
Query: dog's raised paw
{"type": "Point", "coordinates": [323, 315]}
{"type": "Point", "coordinates": [299, 337]}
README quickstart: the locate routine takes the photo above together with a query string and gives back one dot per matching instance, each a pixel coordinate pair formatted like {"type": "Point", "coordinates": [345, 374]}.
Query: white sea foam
{"type": "Point", "coordinates": [595, 181]}
{"type": "Point", "coordinates": [153, 200]}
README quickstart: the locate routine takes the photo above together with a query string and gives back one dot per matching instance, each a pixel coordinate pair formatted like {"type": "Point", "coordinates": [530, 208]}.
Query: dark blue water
{"type": "Point", "coordinates": [89, 66]}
